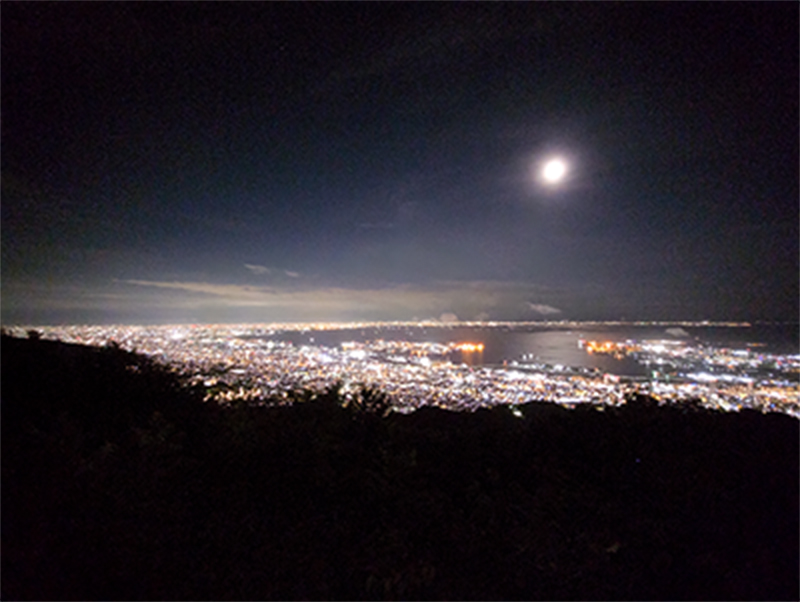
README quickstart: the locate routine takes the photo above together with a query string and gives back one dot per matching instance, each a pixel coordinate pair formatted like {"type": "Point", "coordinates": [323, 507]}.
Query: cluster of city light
{"type": "Point", "coordinates": [704, 363]}
{"type": "Point", "coordinates": [469, 347]}
{"type": "Point", "coordinates": [606, 347]}
{"type": "Point", "coordinates": [246, 362]}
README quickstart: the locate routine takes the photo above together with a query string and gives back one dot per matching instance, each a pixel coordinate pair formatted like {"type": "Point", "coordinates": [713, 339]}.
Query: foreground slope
{"type": "Point", "coordinates": [118, 483]}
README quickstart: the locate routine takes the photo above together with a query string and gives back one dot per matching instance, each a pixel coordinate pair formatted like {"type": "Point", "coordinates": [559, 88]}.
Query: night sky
{"type": "Point", "coordinates": [199, 162]}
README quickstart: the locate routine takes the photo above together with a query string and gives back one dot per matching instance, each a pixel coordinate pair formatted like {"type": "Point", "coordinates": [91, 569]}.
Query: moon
{"type": "Point", "coordinates": [554, 171]}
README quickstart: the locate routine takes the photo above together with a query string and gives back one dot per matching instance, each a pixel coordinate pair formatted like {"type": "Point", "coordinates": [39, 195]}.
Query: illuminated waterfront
{"type": "Point", "coordinates": [417, 364]}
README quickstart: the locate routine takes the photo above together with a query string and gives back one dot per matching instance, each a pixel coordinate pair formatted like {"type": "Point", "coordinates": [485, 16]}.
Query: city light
{"type": "Point", "coordinates": [255, 363]}
{"type": "Point", "coordinates": [469, 347]}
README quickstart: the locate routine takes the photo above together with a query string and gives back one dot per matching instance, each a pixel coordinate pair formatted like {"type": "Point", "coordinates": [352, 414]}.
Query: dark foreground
{"type": "Point", "coordinates": [118, 484]}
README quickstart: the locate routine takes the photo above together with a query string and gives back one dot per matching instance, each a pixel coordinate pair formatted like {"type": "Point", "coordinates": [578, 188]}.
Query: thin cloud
{"type": "Point", "coordinates": [394, 301]}
{"type": "Point", "coordinates": [291, 274]}
{"type": "Point", "coordinates": [257, 269]}
{"type": "Point", "coordinates": [544, 310]}
{"type": "Point", "coordinates": [150, 301]}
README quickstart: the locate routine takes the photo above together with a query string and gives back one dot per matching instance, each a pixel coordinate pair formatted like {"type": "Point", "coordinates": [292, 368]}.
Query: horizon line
{"type": "Point", "coordinates": [429, 323]}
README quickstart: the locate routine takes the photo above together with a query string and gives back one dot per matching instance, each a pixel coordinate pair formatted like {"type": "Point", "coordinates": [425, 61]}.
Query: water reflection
{"type": "Point", "coordinates": [470, 354]}
{"type": "Point", "coordinates": [553, 347]}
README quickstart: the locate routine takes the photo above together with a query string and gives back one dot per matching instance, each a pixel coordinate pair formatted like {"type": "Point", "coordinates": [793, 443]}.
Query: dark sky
{"type": "Point", "coordinates": [232, 162]}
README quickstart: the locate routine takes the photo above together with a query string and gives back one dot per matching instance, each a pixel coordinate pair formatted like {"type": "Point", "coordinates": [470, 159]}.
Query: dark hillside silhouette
{"type": "Point", "coordinates": [118, 483]}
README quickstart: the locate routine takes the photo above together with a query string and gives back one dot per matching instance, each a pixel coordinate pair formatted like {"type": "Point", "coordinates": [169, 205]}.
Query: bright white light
{"type": "Point", "coordinates": [554, 171]}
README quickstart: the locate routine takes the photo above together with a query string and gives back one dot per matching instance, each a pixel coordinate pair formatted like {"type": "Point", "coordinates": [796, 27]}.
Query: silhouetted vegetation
{"type": "Point", "coordinates": [118, 483]}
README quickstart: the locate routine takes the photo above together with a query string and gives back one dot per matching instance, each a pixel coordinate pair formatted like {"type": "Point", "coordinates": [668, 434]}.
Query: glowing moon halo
{"type": "Point", "coordinates": [554, 171]}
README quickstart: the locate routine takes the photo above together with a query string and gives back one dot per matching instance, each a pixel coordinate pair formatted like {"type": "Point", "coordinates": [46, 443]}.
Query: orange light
{"type": "Point", "coordinates": [469, 347]}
